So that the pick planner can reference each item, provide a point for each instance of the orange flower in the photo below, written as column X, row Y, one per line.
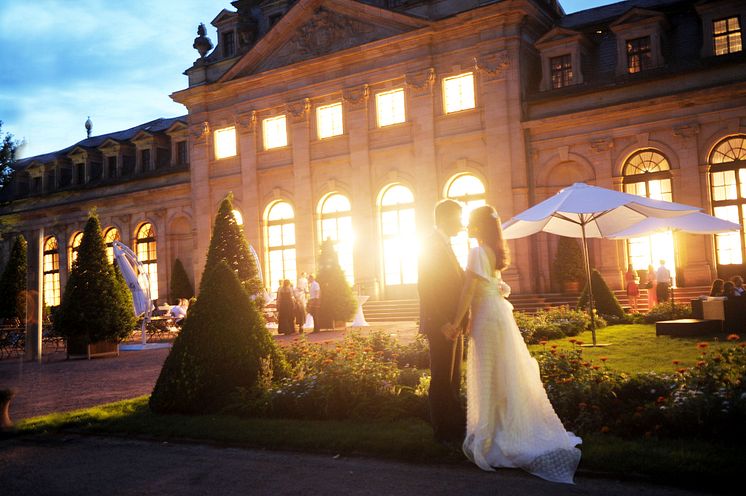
column 648, row 434
column 675, row 362
column 603, row 359
column 573, row 340
column 542, row 342
column 579, row 342
column 701, row 363
column 596, row 367
column 328, row 361
column 681, row 370
column 605, row 429
column 733, row 337
column 702, row 345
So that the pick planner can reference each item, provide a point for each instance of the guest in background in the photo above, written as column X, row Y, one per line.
column 729, row 290
column 738, row 283
column 300, row 309
column 717, row 288
column 651, row 284
column 314, row 301
column 663, row 276
column 303, row 284
column 179, row 311
column 285, row 308
column 633, row 290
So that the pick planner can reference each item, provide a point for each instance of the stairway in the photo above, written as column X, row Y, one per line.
column 409, row 310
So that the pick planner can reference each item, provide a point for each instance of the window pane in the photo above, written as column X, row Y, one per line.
column 275, row 132
column 390, row 107
column 724, row 185
column 225, row 142
column 329, row 120
column 459, row 92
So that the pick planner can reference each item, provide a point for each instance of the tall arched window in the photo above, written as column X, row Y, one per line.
column 335, row 223
column 51, row 272
column 148, row 256
column 111, row 235
column 648, row 173
column 280, row 242
column 74, row 247
column 470, row 191
column 398, row 236
column 728, row 183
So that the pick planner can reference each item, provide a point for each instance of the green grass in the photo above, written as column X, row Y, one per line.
column 635, row 348
column 687, row 463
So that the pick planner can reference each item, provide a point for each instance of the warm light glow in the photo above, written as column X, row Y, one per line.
column 74, row 247
column 239, row 218
column 470, row 191
column 398, row 236
column 728, row 189
column 225, row 142
column 390, row 107
column 458, row 92
column 280, row 243
column 335, row 223
column 329, row 120
column 51, row 265
column 727, row 35
column 728, row 244
column 275, row 132
column 147, row 255
column 111, row 235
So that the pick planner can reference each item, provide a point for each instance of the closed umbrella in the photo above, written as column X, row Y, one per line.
column 137, row 280
column 584, row 211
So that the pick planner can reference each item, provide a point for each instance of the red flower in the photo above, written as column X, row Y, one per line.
column 542, row 342
column 579, row 342
column 603, row 359
column 595, row 367
column 681, row 370
column 582, row 406
column 702, row 345
column 573, row 340
column 662, row 399
column 701, row 363
column 675, row 362
column 605, row 429
column 554, row 346
column 733, row 337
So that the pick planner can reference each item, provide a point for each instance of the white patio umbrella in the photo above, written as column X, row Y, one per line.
column 584, row 211
column 138, row 282
column 696, row 223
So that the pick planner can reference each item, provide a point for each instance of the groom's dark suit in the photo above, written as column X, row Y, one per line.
column 440, row 281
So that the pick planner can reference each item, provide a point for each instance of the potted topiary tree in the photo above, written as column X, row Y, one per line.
column 338, row 303
column 13, row 283
column 95, row 313
column 568, row 266
column 181, row 286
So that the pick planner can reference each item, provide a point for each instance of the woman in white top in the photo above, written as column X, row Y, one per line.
column 179, row 311
column 510, row 421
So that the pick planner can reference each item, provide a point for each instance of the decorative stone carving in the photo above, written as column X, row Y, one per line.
column 356, row 96
column 299, row 109
column 200, row 132
column 420, row 83
column 493, row 66
column 246, row 121
column 202, row 43
column 602, row 144
column 686, row 130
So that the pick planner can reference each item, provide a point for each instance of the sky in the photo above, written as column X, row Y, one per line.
column 62, row 61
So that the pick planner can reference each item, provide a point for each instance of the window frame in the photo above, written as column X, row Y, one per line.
column 265, row 125
column 444, row 85
column 386, row 93
column 218, row 143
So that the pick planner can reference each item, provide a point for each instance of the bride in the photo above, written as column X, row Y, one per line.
column 510, row 421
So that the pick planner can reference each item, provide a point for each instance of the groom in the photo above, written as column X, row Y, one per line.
column 439, row 284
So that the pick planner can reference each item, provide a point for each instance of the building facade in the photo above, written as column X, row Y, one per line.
column 350, row 119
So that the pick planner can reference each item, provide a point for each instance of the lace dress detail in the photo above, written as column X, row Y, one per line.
column 510, row 421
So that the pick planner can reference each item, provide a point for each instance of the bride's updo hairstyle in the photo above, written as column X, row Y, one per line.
column 484, row 223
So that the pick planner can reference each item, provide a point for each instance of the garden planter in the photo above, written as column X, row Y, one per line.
column 81, row 348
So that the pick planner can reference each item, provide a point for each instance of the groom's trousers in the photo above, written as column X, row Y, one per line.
column 446, row 411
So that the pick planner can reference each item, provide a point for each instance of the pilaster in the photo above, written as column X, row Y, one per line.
column 298, row 113
column 199, row 172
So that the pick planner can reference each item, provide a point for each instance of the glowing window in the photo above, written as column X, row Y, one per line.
column 329, row 120
column 398, row 236
column 335, row 223
column 390, row 107
column 275, row 132
column 111, row 235
column 459, row 92
column 74, row 247
column 225, row 142
column 51, row 271
column 470, row 192
column 280, row 243
column 728, row 190
column 727, row 35
column 146, row 253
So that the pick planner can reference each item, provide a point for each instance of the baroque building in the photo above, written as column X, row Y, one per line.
column 349, row 120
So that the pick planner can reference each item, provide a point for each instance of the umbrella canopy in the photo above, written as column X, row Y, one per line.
column 137, row 280
column 696, row 223
column 588, row 211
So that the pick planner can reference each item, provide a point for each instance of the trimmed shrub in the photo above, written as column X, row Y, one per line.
column 13, row 283
column 337, row 300
column 666, row 311
column 554, row 323
column 95, row 306
column 181, row 287
column 604, row 300
column 223, row 347
column 568, row 263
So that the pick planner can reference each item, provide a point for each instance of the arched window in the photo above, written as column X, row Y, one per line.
column 335, row 223
column 728, row 183
column 280, row 242
column 111, row 235
column 74, row 247
column 398, row 236
column 51, row 272
column 470, row 191
column 648, row 173
column 148, row 256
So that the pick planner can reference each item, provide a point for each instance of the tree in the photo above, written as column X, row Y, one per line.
column 229, row 245
column 224, row 348
column 568, row 263
column 181, row 287
column 604, row 300
column 13, row 283
column 8, row 147
column 95, row 305
column 337, row 300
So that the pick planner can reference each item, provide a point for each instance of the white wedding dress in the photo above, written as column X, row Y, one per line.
column 509, row 421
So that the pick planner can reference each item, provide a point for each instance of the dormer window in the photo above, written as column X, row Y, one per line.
column 639, row 57
column 228, row 41
column 561, row 53
column 639, row 34
column 145, row 159
column 561, row 68
column 727, row 35
column 111, row 165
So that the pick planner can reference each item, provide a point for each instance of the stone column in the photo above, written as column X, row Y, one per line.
column 366, row 249
column 298, row 113
column 34, row 294
column 201, row 205
column 252, row 216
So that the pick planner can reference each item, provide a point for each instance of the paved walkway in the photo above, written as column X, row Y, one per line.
column 68, row 464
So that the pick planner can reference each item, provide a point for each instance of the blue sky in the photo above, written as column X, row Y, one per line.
column 115, row 61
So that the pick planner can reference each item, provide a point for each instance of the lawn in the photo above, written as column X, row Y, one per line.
column 635, row 348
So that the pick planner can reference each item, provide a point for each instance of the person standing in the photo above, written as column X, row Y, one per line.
column 633, row 290
column 300, row 309
column 663, row 277
column 439, row 283
column 303, row 284
column 651, row 285
column 314, row 301
column 285, row 308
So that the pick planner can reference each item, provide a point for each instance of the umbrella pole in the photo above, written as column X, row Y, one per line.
column 587, row 261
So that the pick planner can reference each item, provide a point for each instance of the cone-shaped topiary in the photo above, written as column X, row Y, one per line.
column 181, row 287
column 568, row 263
column 13, row 283
column 337, row 300
column 223, row 346
column 229, row 244
column 95, row 305
column 604, row 300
